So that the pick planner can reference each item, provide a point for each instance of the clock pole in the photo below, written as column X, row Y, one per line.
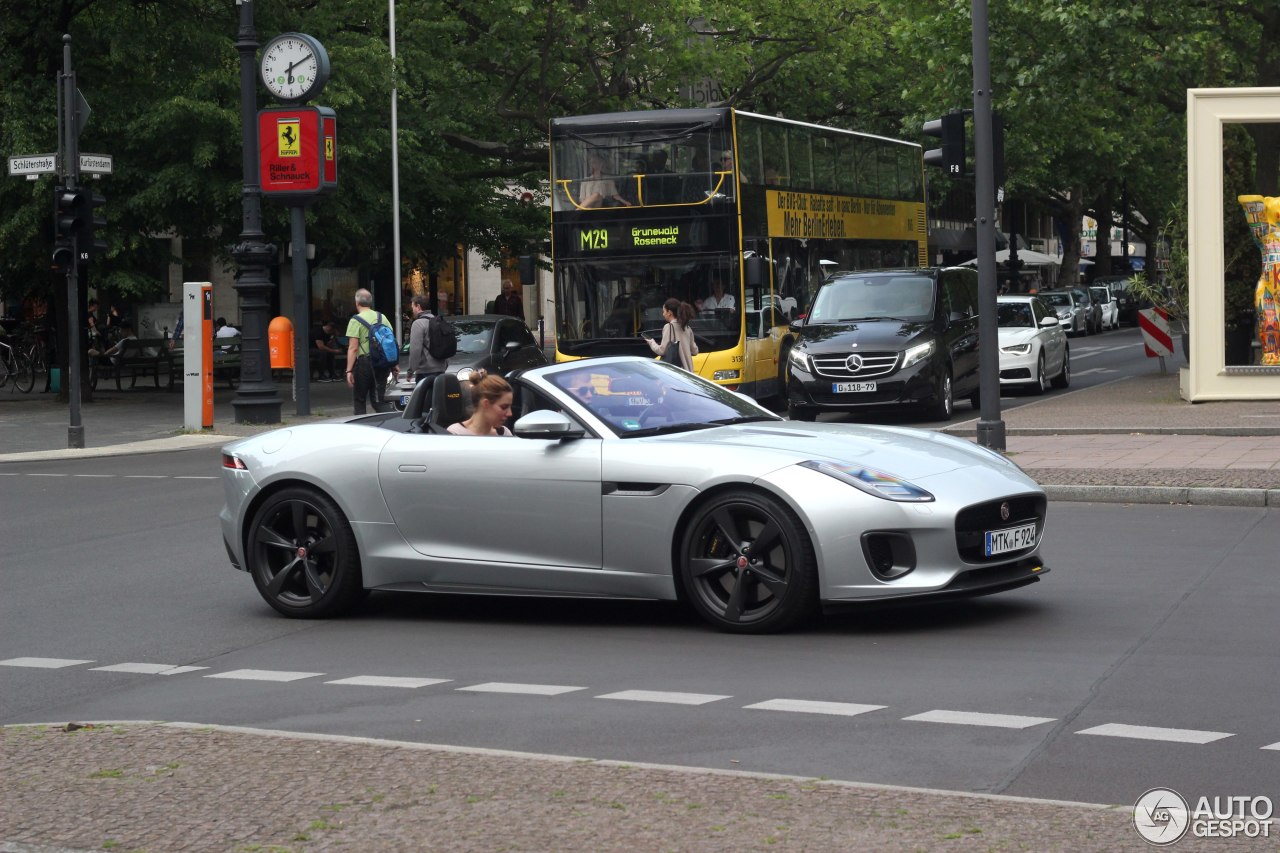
column 256, row 401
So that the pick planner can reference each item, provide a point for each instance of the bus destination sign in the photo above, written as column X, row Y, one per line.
column 620, row 237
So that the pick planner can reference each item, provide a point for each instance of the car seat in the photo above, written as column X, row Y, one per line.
column 447, row 406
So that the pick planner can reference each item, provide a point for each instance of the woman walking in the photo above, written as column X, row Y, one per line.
column 677, row 346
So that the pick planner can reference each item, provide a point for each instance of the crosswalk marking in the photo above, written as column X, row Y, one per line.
column 662, row 696
column 1272, row 745
column 148, row 668
column 969, row 718
column 1155, row 733
column 388, row 681
column 264, row 675
column 806, row 706
column 529, row 689
column 43, row 663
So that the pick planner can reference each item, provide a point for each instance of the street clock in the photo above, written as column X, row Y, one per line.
column 294, row 67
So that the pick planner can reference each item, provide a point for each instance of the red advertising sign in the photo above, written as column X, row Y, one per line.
column 290, row 151
column 329, row 133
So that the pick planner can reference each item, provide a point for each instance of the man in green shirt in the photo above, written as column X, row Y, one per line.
column 365, row 381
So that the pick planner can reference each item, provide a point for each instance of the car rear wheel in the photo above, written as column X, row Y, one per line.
column 747, row 564
column 302, row 555
column 1042, row 381
column 1063, row 379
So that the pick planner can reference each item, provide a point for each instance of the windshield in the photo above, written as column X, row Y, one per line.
column 643, row 397
column 1057, row 300
column 474, row 335
column 1014, row 315
column 908, row 298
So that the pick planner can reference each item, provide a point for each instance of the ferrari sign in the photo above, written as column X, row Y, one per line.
column 290, row 152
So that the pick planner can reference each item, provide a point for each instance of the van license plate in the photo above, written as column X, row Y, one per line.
column 848, row 387
column 1013, row 539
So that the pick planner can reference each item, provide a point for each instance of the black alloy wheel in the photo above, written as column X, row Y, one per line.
column 302, row 555
column 747, row 564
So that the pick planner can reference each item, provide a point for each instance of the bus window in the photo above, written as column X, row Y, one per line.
column 801, row 157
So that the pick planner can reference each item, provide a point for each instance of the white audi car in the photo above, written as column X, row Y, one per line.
column 1034, row 352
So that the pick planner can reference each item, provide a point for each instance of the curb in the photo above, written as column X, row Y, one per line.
column 971, row 432
column 1192, row 495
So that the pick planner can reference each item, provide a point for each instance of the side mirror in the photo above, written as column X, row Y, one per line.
column 545, row 423
column 1048, row 321
column 797, row 323
column 755, row 271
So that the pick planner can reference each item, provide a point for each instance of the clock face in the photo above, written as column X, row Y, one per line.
column 294, row 66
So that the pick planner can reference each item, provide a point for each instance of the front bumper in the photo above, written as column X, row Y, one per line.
column 914, row 385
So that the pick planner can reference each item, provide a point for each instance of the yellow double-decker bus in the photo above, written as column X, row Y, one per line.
column 740, row 215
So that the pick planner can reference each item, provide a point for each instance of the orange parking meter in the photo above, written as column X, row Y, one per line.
column 280, row 340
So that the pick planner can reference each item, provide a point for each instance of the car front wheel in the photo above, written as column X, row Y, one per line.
column 747, row 565
column 1042, row 381
column 944, row 400
column 303, row 556
column 1063, row 379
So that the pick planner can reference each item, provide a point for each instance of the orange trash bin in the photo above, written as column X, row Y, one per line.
column 280, row 342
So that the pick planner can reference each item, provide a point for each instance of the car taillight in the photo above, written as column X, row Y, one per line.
column 229, row 461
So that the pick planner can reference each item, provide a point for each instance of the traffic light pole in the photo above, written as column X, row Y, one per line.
column 71, row 176
column 990, row 427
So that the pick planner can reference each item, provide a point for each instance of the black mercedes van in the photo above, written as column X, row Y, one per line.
column 887, row 338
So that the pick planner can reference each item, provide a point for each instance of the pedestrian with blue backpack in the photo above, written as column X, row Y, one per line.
column 372, row 354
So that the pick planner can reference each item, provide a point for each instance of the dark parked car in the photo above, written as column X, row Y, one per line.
column 496, row 343
column 887, row 338
column 1128, row 303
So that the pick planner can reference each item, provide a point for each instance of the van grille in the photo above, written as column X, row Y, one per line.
column 872, row 365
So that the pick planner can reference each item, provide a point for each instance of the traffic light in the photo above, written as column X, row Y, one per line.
column 951, row 156
column 63, row 255
column 93, row 246
column 70, row 212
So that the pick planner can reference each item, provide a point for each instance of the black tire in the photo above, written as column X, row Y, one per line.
column 784, row 356
column 800, row 413
column 25, row 377
column 303, row 556
column 747, row 564
column 944, row 401
column 1042, row 381
column 1063, row 379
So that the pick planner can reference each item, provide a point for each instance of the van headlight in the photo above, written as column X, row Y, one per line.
column 917, row 353
column 800, row 359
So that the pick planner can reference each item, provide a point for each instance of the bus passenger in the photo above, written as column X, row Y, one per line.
column 718, row 300
column 491, row 400
column 597, row 189
column 678, row 345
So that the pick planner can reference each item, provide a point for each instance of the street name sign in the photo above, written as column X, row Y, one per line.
column 99, row 164
column 33, row 164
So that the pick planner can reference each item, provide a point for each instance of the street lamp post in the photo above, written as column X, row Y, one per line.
column 256, row 401
column 395, row 174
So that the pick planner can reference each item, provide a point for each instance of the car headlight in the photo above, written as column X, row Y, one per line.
column 1017, row 349
column 800, row 359
column 871, row 481
column 917, row 353
column 464, row 374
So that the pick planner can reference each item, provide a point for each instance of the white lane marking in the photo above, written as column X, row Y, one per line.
column 34, row 474
column 1275, row 745
column 146, row 476
column 194, row 477
column 1092, row 370
column 1155, row 733
column 527, row 689
column 806, row 706
column 99, row 476
column 388, row 681
column 663, row 696
column 969, row 718
column 148, row 668
column 264, row 675
column 43, row 663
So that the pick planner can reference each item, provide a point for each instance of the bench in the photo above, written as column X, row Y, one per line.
column 139, row 357
column 226, row 361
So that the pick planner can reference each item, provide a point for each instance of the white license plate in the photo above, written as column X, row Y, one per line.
column 848, row 387
column 1013, row 539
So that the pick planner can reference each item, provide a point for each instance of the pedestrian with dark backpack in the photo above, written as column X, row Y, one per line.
column 371, row 354
column 423, row 361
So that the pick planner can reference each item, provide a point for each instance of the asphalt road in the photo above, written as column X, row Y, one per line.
column 1146, row 658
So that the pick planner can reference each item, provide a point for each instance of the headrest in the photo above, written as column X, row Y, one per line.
column 447, row 403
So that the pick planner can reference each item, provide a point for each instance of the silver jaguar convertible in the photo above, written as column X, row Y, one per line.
column 626, row 478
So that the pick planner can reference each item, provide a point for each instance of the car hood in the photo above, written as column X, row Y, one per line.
column 1015, row 335
column 871, row 334
column 913, row 454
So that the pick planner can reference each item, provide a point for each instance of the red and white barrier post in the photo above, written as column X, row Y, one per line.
column 1156, row 337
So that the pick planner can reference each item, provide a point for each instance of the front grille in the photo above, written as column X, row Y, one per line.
column 973, row 521
column 873, row 364
column 1016, row 373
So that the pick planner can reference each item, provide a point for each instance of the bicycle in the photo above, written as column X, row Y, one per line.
column 17, row 366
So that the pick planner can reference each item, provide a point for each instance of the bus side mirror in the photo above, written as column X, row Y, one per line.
column 755, row 271
column 528, row 270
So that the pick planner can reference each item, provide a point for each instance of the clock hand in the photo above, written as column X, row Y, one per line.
column 289, row 71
